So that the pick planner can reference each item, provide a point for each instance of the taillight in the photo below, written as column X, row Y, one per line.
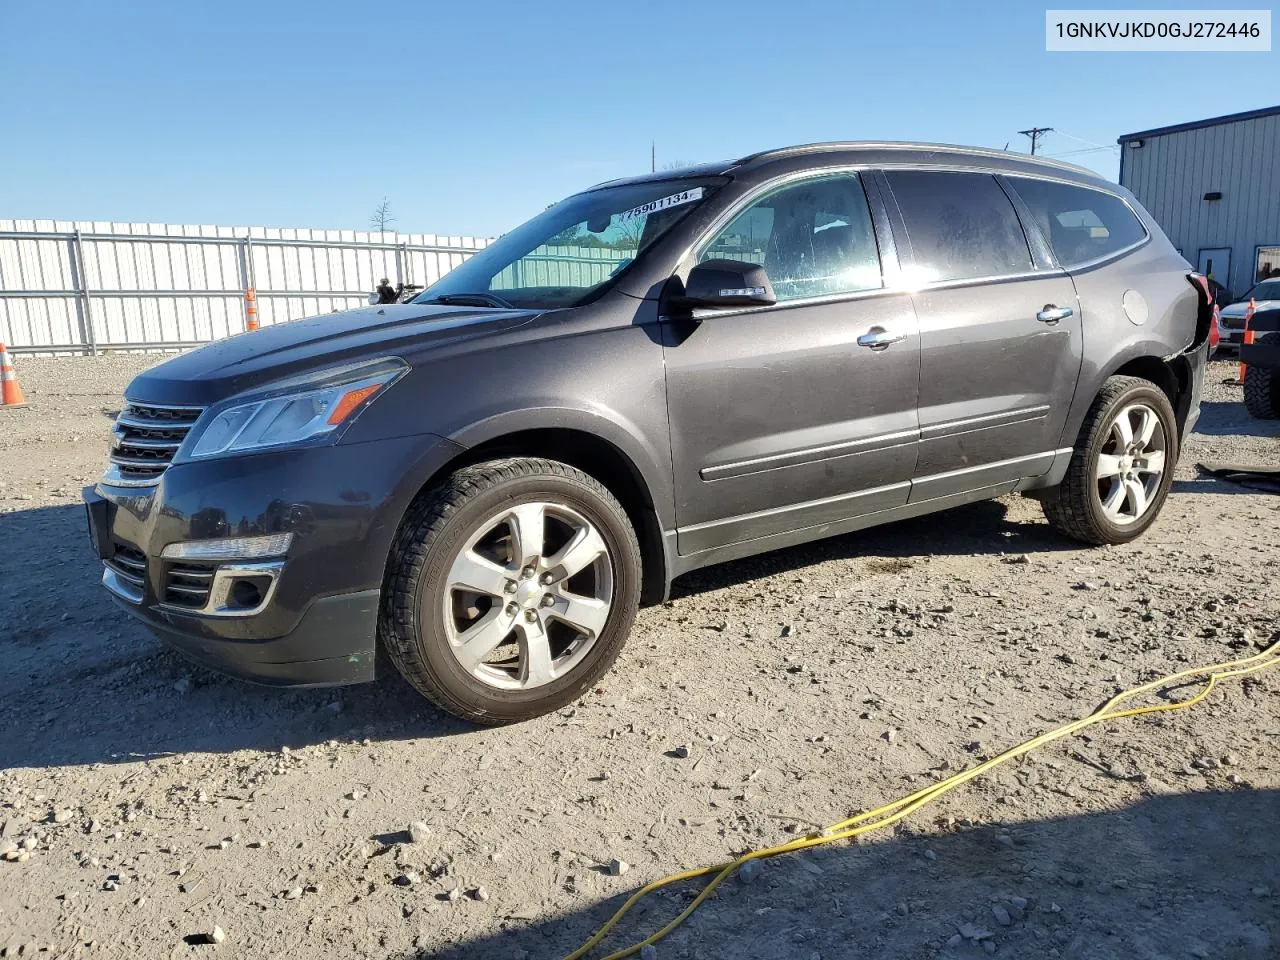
column 1207, row 312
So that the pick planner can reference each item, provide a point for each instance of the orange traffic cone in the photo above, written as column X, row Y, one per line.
column 10, row 393
column 251, row 309
column 1246, row 339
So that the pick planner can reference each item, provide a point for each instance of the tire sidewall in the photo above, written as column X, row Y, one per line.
column 1155, row 398
column 430, row 585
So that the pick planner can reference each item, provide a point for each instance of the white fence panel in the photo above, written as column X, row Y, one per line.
column 87, row 286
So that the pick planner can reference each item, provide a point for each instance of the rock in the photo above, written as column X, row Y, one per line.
column 1002, row 915
column 407, row 879
column 989, row 946
column 617, row 867
column 681, row 751
column 648, row 952
column 749, row 871
column 454, row 894
column 419, row 832
column 1262, row 892
column 293, row 893
column 973, row 932
column 480, row 893
column 62, row 816
column 216, row 935
column 183, row 685
column 355, row 795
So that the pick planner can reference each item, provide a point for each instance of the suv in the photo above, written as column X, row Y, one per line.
column 651, row 376
column 1264, row 295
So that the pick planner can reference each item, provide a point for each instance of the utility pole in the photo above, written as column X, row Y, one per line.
column 1035, row 133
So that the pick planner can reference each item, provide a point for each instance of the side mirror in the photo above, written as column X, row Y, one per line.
column 728, row 283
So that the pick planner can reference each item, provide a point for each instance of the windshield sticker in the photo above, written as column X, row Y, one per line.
column 666, row 203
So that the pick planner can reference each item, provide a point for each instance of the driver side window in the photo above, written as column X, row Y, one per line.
column 814, row 238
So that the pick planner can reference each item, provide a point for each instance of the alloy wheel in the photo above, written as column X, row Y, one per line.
column 1131, row 464
column 528, row 595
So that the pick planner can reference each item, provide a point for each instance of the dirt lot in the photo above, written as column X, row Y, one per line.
column 155, row 801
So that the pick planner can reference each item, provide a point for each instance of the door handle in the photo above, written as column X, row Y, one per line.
column 1051, row 314
column 878, row 338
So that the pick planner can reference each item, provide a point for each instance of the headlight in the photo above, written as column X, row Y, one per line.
column 296, row 411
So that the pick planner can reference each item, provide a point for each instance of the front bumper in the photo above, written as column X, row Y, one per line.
column 334, row 643
column 318, row 621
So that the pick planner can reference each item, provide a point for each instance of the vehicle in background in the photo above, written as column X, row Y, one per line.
column 654, row 375
column 1265, row 295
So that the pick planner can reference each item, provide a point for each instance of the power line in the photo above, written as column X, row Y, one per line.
column 1072, row 153
column 1035, row 133
column 1072, row 136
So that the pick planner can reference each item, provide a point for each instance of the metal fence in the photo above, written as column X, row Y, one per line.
column 79, row 287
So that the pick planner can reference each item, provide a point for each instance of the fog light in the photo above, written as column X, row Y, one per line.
column 233, row 548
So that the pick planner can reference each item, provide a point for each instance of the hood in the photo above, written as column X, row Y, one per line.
column 247, row 360
column 1240, row 308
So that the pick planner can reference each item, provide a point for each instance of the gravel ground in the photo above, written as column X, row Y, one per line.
column 152, row 804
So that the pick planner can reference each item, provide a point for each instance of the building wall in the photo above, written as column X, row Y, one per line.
column 1171, row 173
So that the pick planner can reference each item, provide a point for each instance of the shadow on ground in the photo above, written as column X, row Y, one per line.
column 1222, row 418
column 1189, row 875
column 84, row 683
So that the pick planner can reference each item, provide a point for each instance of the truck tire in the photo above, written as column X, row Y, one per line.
column 1122, row 465
column 510, row 590
column 1262, row 388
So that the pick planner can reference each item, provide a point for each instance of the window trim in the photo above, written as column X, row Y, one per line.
column 1254, row 266
column 757, row 193
column 1096, row 261
column 1037, row 269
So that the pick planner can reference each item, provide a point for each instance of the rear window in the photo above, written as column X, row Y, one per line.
column 1080, row 224
column 961, row 226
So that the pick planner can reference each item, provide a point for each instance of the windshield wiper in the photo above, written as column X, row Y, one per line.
column 469, row 300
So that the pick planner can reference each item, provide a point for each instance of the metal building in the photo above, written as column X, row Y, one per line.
column 1214, row 186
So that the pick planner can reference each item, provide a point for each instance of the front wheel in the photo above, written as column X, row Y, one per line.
column 511, row 589
column 1122, row 465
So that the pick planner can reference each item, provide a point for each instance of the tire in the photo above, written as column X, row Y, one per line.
column 429, row 610
column 1262, row 389
column 1076, row 506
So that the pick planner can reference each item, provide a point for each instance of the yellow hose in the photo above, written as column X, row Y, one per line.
column 893, row 812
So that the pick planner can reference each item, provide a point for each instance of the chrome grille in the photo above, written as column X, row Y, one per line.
column 144, row 441
column 187, row 584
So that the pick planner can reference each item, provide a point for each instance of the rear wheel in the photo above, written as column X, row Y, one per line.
column 511, row 589
column 1262, row 388
column 1122, row 465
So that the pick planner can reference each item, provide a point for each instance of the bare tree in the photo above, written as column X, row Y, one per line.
column 382, row 219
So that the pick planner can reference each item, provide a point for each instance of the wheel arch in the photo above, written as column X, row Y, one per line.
column 603, row 458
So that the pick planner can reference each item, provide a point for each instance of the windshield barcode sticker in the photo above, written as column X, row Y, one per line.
column 653, row 206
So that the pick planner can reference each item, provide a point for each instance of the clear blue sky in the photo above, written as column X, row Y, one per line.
column 471, row 116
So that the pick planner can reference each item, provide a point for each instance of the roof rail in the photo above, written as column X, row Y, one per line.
column 908, row 145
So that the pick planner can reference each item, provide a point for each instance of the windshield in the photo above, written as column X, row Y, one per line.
column 1266, row 290
column 569, row 252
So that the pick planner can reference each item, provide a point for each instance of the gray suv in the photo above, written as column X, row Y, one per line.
column 653, row 375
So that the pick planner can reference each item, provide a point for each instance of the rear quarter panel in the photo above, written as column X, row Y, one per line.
column 1154, row 277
